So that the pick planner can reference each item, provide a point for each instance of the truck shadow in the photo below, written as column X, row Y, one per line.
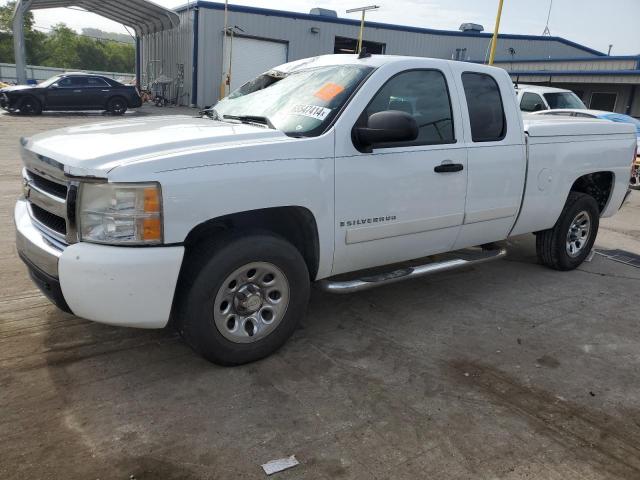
column 122, row 402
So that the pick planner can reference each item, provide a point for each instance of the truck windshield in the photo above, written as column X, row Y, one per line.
column 564, row 100
column 300, row 104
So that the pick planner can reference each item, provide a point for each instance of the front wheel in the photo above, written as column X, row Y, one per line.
column 30, row 106
column 567, row 244
column 241, row 296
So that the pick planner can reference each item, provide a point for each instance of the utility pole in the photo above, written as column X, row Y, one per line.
column 494, row 40
column 609, row 52
column 361, row 34
column 225, row 76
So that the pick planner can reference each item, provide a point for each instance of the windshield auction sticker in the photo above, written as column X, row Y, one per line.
column 329, row 91
column 312, row 111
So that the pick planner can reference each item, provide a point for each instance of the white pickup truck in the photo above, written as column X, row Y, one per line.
column 316, row 171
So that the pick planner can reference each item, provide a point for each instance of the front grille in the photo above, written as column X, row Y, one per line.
column 47, row 189
column 48, row 186
column 49, row 220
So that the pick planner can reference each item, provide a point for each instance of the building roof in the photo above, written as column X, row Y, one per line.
column 386, row 26
column 141, row 15
column 573, row 59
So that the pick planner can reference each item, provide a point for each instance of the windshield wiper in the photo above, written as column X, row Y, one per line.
column 251, row 119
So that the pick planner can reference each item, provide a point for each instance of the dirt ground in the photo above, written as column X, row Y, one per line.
column 505, row 371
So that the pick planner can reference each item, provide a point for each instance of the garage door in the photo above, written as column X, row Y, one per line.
column 252, row 57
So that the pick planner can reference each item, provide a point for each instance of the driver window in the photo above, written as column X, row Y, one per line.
column 531, row 102
column 424, row 95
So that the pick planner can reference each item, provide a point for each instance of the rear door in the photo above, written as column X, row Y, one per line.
column 396, row 203
column 97, row 92
column 494, row 137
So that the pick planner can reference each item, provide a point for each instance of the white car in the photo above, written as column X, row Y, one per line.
column 534, row 98
column 313, row 172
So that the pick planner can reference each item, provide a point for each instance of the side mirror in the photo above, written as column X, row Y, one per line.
column 54, row 85
column 538, row 107
column 385, row 127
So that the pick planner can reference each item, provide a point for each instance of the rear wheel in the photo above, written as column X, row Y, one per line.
column 567, row 244
column 241, row 297
column 635, row 177
column 30, row 106
column 117, row 106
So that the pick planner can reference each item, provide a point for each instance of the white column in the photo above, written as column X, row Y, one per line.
column 18, row 39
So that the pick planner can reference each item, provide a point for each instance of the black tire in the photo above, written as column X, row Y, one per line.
column 635, row 178
column 203, row 278
column 117, row 106
column 30, row 106
column 552, row 245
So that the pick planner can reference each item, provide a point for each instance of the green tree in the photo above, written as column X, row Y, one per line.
column 34, row 40
column 63, row 47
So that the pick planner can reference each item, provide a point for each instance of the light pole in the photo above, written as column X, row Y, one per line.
column 494, row 40
column 362, row 9
column 223, row 83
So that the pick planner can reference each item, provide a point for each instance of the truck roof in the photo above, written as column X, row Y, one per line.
column 352, row 59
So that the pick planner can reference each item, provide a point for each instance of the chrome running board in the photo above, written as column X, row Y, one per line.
column 394, row 276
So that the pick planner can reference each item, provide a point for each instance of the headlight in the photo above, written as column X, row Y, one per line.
column 121, row 213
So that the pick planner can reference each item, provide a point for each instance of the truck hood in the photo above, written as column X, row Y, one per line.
column 94, row 150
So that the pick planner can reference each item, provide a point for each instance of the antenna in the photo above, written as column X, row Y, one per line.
column 547, row 32
column 364, row 53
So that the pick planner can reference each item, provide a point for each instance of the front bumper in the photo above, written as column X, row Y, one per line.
column 124, row 286
column 5, row 102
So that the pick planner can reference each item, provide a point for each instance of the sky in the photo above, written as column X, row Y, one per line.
column 594, row 23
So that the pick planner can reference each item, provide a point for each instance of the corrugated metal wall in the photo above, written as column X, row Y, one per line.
column 38, row 73
column 303, row 43
column 162, row 52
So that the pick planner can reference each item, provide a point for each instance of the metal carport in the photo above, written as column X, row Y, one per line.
column 142, row 16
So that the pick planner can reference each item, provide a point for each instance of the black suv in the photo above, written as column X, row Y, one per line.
column 71, row 91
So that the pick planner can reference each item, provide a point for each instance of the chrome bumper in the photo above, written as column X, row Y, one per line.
column 39, row 249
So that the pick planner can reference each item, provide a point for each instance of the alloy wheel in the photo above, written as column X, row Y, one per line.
column 251, row 302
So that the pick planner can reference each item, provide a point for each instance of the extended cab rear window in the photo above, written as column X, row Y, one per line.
column 486, row 112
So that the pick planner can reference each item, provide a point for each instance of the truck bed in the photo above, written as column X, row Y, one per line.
column 561, row 149
column 554, row 126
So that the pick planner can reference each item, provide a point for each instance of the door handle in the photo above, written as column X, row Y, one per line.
column 77, row 91
column 104, row 90
column 447, row 167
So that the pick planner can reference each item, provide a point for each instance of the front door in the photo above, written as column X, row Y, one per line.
column 397, row 202
column 68, row 92
column 96, row 92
